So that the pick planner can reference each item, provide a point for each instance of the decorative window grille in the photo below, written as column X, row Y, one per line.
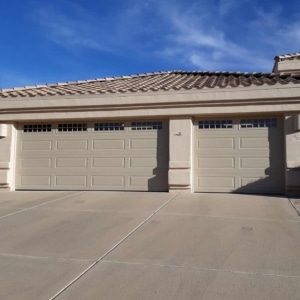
column 108, row 126
column 215, row 124
column 72, row 127
column 157, row 125
column 37, row 128
column 259, row 123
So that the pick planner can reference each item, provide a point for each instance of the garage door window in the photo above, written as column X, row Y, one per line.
column 147, row 125
column 108, row 126
column 37, row 128
column 72, row 127
column 215, row 124
column 259, row 123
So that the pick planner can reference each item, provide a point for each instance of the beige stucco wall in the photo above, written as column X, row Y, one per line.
column 180, row 146
column 292, row 140
column 288, row 66
column 7, row 140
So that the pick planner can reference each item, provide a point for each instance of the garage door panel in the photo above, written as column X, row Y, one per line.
column 70, row 163
column 108, row 181
column 216, row 182
column 248, row 180
column 73, row 181
column 32, row 145
column 108, row 162
column 213, row 143
column 216, row 162
column 141, row 162
column 152, row 183
column 29, row 163
column 254, row 163
column 111, row 144
column 243, row 159
column 72, row 145
column 254, row 143
column 35, row 180
column 141, row 144
column 99, row 156
column 254, row 185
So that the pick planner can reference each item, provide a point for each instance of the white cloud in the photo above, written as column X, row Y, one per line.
column 201, row 44
column 248, row 43
column 193, row 35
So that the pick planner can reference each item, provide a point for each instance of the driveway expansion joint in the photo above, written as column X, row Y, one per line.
column 295, row 204
column 39, row 205
column 44, row 257
column 113, row 248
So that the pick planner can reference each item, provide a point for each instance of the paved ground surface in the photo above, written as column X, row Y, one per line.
column 296, row 203
column 113, row 245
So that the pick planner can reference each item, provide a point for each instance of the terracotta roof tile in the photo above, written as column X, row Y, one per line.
column 164, row 81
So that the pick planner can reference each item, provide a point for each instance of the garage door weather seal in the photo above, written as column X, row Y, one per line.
column 111, row 249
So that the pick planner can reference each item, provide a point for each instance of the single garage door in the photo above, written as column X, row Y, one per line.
column 243, row 155
column 93, row 156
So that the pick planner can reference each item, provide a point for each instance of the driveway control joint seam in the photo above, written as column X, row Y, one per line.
column 113, row 248
column 39, row 205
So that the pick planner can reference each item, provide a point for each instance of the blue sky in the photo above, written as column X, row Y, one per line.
column 63, row 40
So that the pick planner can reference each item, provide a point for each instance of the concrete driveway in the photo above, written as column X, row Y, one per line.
column 114, row 245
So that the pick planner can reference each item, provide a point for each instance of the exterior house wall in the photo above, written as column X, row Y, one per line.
column 288, row 66
column 292, row 140
column 179, row 107
column 7, row 141
column 180, row 139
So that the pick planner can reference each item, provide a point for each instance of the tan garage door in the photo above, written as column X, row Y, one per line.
column 243, row 155
column 93, row 156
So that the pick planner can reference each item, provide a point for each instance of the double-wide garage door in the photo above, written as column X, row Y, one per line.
column 93, row 156
column 243, row 155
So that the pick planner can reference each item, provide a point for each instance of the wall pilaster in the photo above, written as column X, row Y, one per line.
column 7, row 145
column 180, row 164
column 292, row 141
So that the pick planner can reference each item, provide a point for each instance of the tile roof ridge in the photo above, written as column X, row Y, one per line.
column 282, row 57
column 204, row 72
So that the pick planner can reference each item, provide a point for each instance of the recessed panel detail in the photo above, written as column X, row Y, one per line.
column 142, row 162
column 108, row 162
column 72, row 145
column 140, row 181
column 106, row 182
column 109, row 144
column 35, row 163
column 216, row 162
column 32, row 180
column 36, row 145
column 216, row 182
column 213, row 143
column 71, row 180
column 138, row 144
column 71, row 162
column 255, row 162
column 254, row 143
